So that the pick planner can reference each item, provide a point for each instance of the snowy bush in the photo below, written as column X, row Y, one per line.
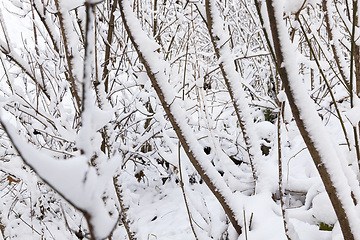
column 179, row 119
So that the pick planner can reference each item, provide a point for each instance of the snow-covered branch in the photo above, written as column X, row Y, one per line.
column 146, row 49
column 318, row 141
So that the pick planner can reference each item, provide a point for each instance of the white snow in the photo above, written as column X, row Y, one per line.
column 319, row 136
column 156, row 204
column 74, row 179
column 71, row 4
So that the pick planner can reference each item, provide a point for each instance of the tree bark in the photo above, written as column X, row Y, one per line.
column 299, row 118
column 178, row 128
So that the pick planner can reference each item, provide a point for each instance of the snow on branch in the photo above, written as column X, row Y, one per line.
column 234, row 81
column 74, row 179
column 146, row 49
column 317, row 139
column 81, row 183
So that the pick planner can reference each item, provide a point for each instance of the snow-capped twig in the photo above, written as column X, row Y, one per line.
column 233, row 82
column 315, row 136
column 146, row 49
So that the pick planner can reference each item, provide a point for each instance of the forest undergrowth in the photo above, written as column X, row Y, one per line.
column 164, row 119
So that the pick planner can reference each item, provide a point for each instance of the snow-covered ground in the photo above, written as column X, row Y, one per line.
column 123, row 141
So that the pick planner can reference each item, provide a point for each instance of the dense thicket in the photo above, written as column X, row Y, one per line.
column 179, row 119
